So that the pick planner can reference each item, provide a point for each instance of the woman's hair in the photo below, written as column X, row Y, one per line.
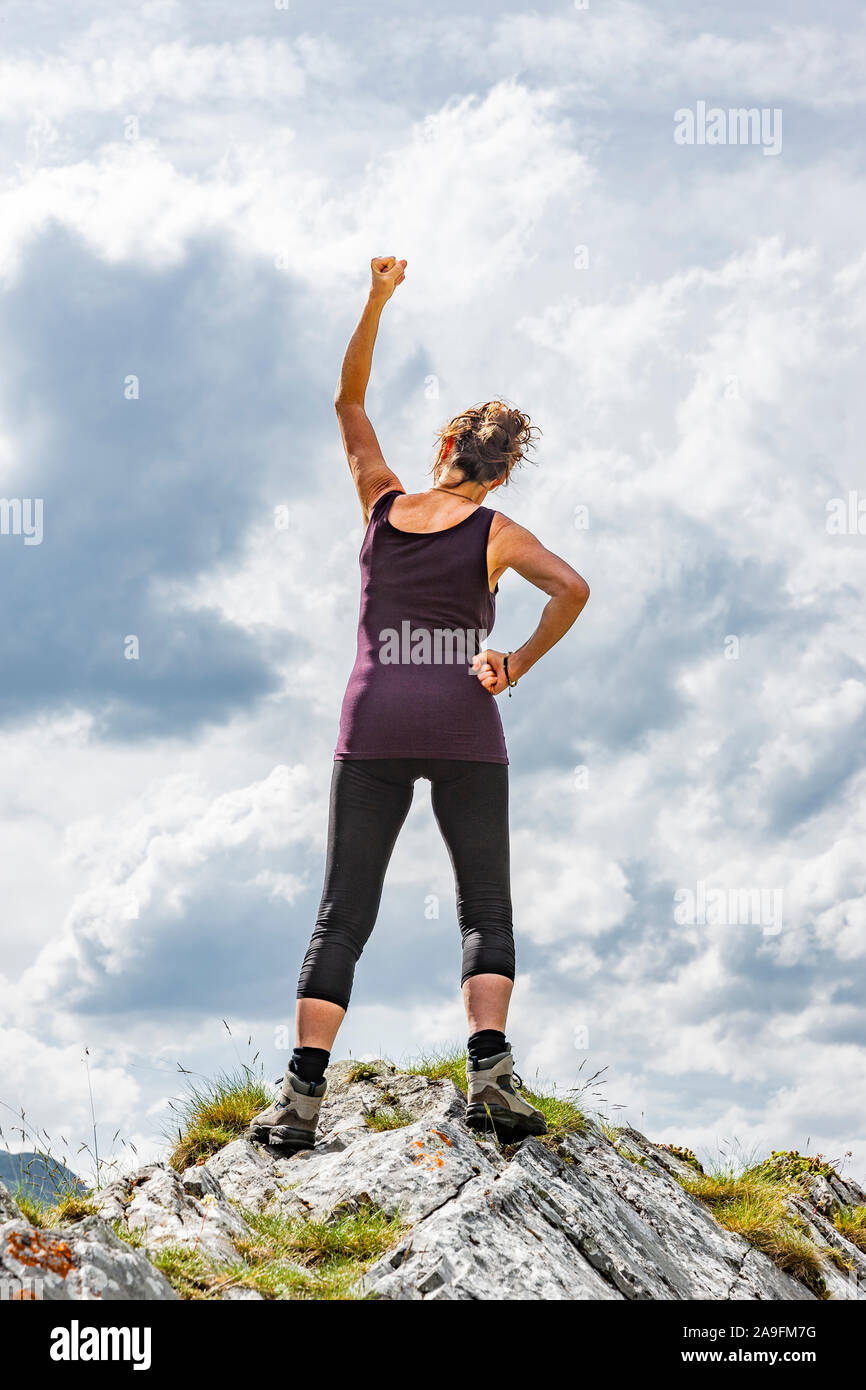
column 487, row 441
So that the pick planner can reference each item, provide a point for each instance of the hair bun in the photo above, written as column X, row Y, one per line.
column 489, row 440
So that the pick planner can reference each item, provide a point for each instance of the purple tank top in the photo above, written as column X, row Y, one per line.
column 426, row 609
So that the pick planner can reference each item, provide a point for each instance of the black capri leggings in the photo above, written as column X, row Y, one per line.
column 370, row 799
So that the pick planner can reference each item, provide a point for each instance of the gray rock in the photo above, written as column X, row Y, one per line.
column 585, row 1219
column 681, row 1246
column 347, row 1103
column 247, row 1174
column 407, row 1172
column 846, row 1284
column 86, row 1261
column 830, row 1195
column 8, row 1207
column 597, row 1226
column 657, row 1158
column 497, row 1240
column 167, row 1209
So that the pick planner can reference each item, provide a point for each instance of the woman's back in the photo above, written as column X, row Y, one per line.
column 426, row 610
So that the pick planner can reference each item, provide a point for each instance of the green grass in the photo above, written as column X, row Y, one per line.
column 684, row 1155
column 563, row 1116
column 620, row 1142
column 212, row 1115
column 50, row 1216
column 130, row 1235
column 190, row 1274
column 789, row 1164
column 33, row 1209
column 756, row 1207
column 449, row 1063
column 850, row 1222
column 445, row 1064
column 389, row 1117
column 291, row 1258
column 362, row 1071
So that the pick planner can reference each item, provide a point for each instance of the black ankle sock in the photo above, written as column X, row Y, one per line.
column 309, row 1064
column 487, row 1043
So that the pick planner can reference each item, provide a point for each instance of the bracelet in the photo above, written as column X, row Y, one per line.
column 511, row 683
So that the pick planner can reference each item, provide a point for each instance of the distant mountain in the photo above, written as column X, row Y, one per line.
column 37, row 1176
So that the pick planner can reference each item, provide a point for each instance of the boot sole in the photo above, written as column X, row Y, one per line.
column 281, row 1137
column 507, row 1126
column 290, row 1140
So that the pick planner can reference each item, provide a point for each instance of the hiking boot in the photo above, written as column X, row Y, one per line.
column 290, row 1123
column 494, row 1102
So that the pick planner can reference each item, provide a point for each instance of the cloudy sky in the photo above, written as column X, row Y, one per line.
column 190, row 199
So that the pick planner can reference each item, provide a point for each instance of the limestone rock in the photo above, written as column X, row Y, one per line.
column 580, row 1219
column 586, row 1223
column 82, row 1262
column 8, row 1207
column 165, row 1208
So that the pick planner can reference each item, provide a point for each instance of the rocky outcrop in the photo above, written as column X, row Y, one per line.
column 162, row 1207
column 584, row 1222
column 581, row 1219
column 82, row 1262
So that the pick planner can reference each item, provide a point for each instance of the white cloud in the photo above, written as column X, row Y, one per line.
column 699, row 391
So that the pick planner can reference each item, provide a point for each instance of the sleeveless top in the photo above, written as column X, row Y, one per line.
column 426, row 609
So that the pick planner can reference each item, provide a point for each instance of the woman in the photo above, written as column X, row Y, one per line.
column 420, row 703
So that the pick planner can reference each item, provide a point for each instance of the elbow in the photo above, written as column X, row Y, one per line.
column 578, row 593
column 344, row 402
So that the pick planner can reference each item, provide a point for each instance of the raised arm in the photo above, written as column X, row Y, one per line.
column 513, row 547
column 370, row 471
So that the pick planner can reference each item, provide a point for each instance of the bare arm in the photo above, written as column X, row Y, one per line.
column 371, row 473
column 513, row 547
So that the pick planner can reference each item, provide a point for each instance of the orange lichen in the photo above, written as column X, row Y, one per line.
column 39, row 1252
column 430, row 1160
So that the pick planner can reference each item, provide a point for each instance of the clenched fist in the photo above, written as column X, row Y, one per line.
column 489, row 667
column 387, row 273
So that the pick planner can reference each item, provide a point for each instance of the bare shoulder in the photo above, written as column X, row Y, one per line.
column 505, row 532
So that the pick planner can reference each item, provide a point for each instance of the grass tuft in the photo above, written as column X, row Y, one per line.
column 212, row 1115
column 72, row 1207
column 684, row 1155
column 786, row 1165
column 362, row 1071
column 130, row 1235
column 298, row 1258
column 33, row 1209
column 756, row 1207
column 563, row 1116
column 287, row 1257
column 850, row 1222
column 445, row 1064
column 389, row 1117
column 190, row 1273
column 51, row 1216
